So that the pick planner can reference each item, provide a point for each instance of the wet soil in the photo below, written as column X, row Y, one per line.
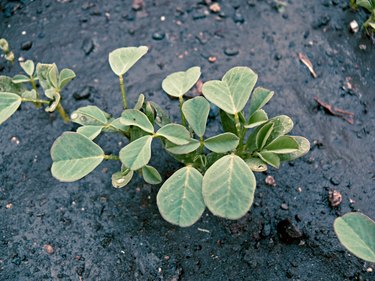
column 88, row 230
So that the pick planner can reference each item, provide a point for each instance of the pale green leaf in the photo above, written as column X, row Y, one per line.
column 9, row 104
column 122, row 59
column 132, row 117
column 20, row 78
column 282, row 125
column 6, row 85
column 74, row 156
column 42, row 71
column 256, row 164
column 28, row 66
column 180, row 200
column 228, row 187
column 137, row 153
column 263, row 135
column 222, row 143
column 182, row 149
column 356, row 233
column 233, row 91
column 175, row 133
column 53, row 76
column 270, row 158
column 259, row 98
column 89, row 115
column 151, row 175
column 140, row 101
column 282, row 145
column 161, row 117
column 179, row 83
column 259, row 117
column 115, row 125
column 369, row 5
column 66, row 75
column 196, row 113
column 121, row 179
column 303, row 148
column 32, row 94
column 4, row 45
column 55, row 96
column 90, row 131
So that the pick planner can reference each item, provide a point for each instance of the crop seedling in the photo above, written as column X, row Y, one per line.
column 356, row 233
column 368, row 5
column 8, row 54
column 13, row 91
column 217, row 171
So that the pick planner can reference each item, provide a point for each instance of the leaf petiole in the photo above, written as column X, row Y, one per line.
column 123, row 93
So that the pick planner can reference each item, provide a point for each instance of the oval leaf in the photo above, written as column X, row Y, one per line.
column 196, row 113
column 9, row 104
column 222, row 143
column 132, row 117
column 20, row 78
column 228, row 187
column 282, row 125
column 175, row 133
column 263, row 135
column 258, row 118
column 122, row 59
column 28, row 66
column 282, row 145
column 74, row 156
column 140, row 101
column 182, row 149
column 179, row 83
column 89, row 115
column 180, row 200
column 270, row 158
column 6, row 85
column 151, row 175
column 256, row 164
column 259, row 98
column 90, row 131
column 303, row 148
column 137, row 153
column 233, row 91
column 121, row 179
column 66, row 75
column 356, row 233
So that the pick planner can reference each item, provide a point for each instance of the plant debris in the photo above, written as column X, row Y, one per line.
column 335, row 198
column 346, row 115
column 306, row 61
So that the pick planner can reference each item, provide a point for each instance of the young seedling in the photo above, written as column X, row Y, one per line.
column 356, row 233
column 217, row 171
column 13, row 91
column 8, row 54
column 368, row 5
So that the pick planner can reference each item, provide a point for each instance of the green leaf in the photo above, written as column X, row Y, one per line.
column 179, row 83
column 4, row 45
column 89, row 115
column 30, row 94
column 9, row 104
column 282, row 145
column 116, row 126
column 356, row 233
column 149, row 111
column 263, row 135
column 90, row 131
column 53, row 75
column 55, row 97
column 228, row 187
column 42, row 71
column 175, row 133
column 122, row 59
column 66, row 75
column 161, row 118
column 74, row 156
column 259, row 98
column 121, row 179
column 6, row 85
column 270, row 158
column 367, row 4
column 222, row 143
column 137, row 153
column 182, row 149
column 227, row 121
column 132, row 117
column 233, row 91
column 259, row 117
column 139, row 104
column 20, row 78
column 303, row 148
column 28, row 66
column 180, row 200
column 151, row 175
column 282, row 125
column 256, row 164
column 196, row 113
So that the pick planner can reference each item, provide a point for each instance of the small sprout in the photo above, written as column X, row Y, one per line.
column 8, row 54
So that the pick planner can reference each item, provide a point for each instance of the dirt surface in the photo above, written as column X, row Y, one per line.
column 88, row 230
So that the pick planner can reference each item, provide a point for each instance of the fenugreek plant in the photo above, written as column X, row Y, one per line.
column 8, row 54
column 14, row 91
column 368, row 5
column 217, row 171
column 356, row 233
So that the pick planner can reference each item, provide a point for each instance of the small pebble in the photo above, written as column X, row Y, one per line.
column 26, row 45
column 353, row 26
column 362, row 47
column 230, row 51
column 270, row 180
column 87, row 46
column 49, row 249
column 84, row 94
column 15, row 140
column 335, row 198
column 9, row 206
column 158, row 36
column 215, row 8
column 212, row 59
column 238, row 18
column 137, row 5
column 284, row 206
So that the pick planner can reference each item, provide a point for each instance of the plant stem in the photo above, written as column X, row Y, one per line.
column 201, row 147
column 35, row 100
column 111, row 157
column 62, row 113
column 183, row 120
column 32, row 81
column 239, row 131
column 123, row 93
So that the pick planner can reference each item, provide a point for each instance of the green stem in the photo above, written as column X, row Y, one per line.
column 62, row 113
column 35, row 100
column 32, row 81
column 111, row 157
column 201, row 147
column 123, row 93
column 239, row 131
column 183, row 120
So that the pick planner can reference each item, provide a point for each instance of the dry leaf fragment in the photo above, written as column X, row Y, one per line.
column 306, row 61
column 346, row 115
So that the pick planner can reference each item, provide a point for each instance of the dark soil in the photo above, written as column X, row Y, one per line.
column 88, row 230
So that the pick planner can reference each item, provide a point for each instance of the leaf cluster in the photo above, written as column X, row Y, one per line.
column 368, row 5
